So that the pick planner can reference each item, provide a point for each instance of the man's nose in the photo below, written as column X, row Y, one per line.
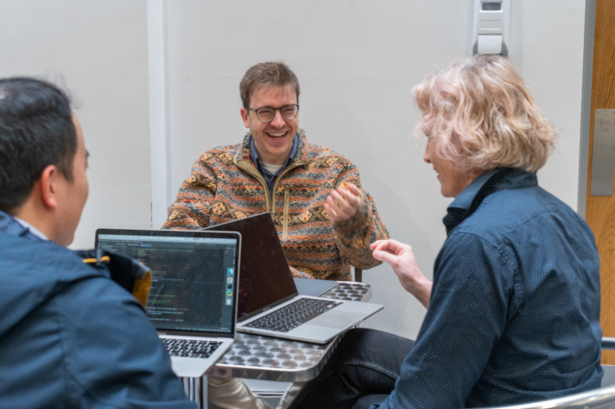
column 278, row 120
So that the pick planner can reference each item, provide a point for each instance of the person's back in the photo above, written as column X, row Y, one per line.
column 548, row 290
column 64, row 330
column 69, row 335
column 513, row 310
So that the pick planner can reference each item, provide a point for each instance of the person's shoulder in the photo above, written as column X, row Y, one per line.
column 222, row 154
column 511, row 214
column 105, row 333
column 107, row 337
column 518, row 206
column 41, row 262
column 468, row 236
column 318, row 151
column 321, row 155
column 32, row 273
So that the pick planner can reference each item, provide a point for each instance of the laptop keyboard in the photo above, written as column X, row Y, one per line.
column 294, row 314
column 190, row 348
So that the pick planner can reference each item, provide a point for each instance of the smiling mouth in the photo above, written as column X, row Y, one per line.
column 277, row 135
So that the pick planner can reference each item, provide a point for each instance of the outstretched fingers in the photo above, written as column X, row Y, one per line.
column 385, row 256
column 391, row 246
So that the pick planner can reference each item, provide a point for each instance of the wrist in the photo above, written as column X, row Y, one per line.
column 421, row 290
column 356, row 222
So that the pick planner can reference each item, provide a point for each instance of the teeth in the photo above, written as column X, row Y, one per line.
column 277, row 135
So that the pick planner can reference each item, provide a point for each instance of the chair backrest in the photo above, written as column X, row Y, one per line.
column 608, row 343
column 603, row 398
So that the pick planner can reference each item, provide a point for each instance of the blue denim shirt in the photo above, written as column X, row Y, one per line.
column 515, row 305
column 269, row 177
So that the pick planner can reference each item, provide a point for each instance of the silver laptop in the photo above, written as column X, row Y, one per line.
column 193, row 299
column 269, row 303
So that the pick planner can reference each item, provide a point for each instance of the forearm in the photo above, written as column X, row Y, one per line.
column 298, row 273
column 187, row 216
column 355, row 235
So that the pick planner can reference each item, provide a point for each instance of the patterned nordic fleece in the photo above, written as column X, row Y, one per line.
column 225, row 185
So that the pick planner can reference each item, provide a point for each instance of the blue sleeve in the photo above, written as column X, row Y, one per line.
column 114, row 356
column 473, row 286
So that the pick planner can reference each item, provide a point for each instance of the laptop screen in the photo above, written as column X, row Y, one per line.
column 265, row 279
column 193, row 276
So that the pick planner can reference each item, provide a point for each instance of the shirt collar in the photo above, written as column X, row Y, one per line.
column 14, row 227
column 293, row 152
column 489, row 182
column 32, row 229
column 465, row 198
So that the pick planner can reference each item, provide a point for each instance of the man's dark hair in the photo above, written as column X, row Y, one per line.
column 36, row 130
column 266, row 74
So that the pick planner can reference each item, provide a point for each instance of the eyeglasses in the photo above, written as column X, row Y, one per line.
column 266, row 114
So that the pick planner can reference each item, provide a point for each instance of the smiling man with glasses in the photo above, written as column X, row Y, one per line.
column 325, row 220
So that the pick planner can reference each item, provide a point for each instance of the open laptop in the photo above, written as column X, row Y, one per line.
column 269, row 303
column 193, row 299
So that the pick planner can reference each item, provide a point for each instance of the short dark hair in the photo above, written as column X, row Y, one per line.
column 266, row 74
column 36, row 130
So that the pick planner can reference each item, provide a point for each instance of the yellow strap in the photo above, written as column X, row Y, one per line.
column 142, row 287
column 93, row 260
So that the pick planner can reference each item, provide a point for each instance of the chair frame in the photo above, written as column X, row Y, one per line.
column 358, row 275
column 603, row 398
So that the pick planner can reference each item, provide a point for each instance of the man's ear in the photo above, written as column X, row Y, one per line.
column 48, row 184
column 244, row 116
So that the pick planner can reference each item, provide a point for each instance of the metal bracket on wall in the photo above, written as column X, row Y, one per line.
column 603, row 156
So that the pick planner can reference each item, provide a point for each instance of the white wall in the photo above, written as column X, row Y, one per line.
column 99, row 50
column 357, row 61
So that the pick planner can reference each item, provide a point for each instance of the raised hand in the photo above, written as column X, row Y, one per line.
column 401, row 257
column 342, row 203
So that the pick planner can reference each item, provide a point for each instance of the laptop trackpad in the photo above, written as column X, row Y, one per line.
column 337, row 319
column 190, row 367
column 323, row 328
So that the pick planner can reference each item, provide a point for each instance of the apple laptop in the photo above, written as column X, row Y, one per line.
column 193, row 298
column 269, row 303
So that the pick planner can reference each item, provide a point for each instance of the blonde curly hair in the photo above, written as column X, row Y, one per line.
column 483, row 116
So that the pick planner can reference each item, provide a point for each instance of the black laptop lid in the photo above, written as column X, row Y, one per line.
column 193, row 277
column 265, row 279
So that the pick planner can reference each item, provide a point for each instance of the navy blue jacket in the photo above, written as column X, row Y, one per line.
column 71, row 337
column 515, row 305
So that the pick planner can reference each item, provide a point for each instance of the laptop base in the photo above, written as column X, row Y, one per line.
column 196, row 367
column 323, row 328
